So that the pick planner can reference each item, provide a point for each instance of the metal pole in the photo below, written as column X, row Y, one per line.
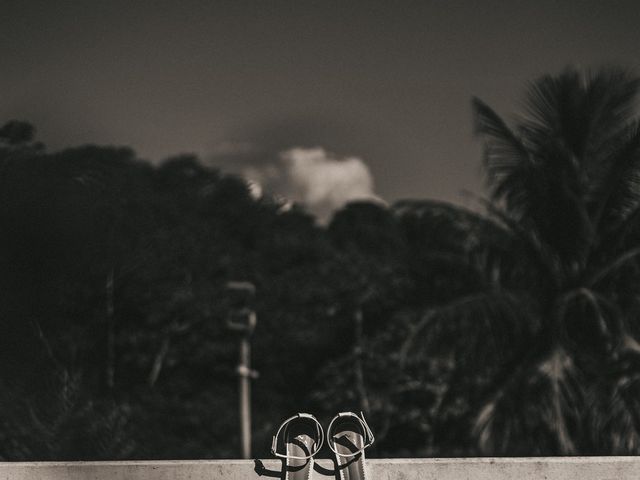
column 242, row 319
column 244, row 379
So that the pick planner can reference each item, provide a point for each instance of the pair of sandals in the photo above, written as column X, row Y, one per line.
column 301, row 438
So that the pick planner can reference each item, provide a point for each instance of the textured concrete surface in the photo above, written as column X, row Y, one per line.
column 555, row 468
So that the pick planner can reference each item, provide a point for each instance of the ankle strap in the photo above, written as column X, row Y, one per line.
column 318, row 443
column 368, row 434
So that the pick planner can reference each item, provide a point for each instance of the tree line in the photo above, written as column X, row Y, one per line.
column 510, row 329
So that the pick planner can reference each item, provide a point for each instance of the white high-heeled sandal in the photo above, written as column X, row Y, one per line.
column 348, row 435
column 302, row 438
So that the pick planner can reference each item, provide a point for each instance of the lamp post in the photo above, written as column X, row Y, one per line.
column 242, row 319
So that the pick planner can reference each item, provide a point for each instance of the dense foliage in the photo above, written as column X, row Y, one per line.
column 510, row 331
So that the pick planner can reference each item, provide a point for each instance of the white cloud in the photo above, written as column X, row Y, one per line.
column 320, row 181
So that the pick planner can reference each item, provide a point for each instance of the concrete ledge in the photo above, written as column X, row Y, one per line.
column 542, row 468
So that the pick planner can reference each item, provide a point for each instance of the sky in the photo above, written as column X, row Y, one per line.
column 382, row 89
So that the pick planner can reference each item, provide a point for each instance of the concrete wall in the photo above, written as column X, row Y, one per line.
column 556, row 468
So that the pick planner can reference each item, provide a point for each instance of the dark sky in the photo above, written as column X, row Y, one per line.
column 387, row 82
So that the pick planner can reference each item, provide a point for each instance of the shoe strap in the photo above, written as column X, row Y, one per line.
column 318, row 443
column 368, row 434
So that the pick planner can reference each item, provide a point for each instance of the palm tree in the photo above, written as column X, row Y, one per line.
column 543, row 331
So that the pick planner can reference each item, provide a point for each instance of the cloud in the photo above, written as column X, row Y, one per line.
column 316, row 179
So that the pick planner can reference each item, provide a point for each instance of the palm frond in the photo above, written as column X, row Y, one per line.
column 616, row 238
column 542, row 101
column 614, row 410
column 483, row 244
column 588, row 324
column 573, row 128
column 581, row 111
column 613, row 265
column 617, row 195
column 553, row 116
column 531, row 245
column 535, row 410
column 611, row 98
column 538, row 177
column 496, row 323
column 509, row 165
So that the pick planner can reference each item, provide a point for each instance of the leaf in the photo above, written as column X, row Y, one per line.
column 494, row 324
column 507, row 161
column 534, row 411
column 618, row 193
column 614, row 410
